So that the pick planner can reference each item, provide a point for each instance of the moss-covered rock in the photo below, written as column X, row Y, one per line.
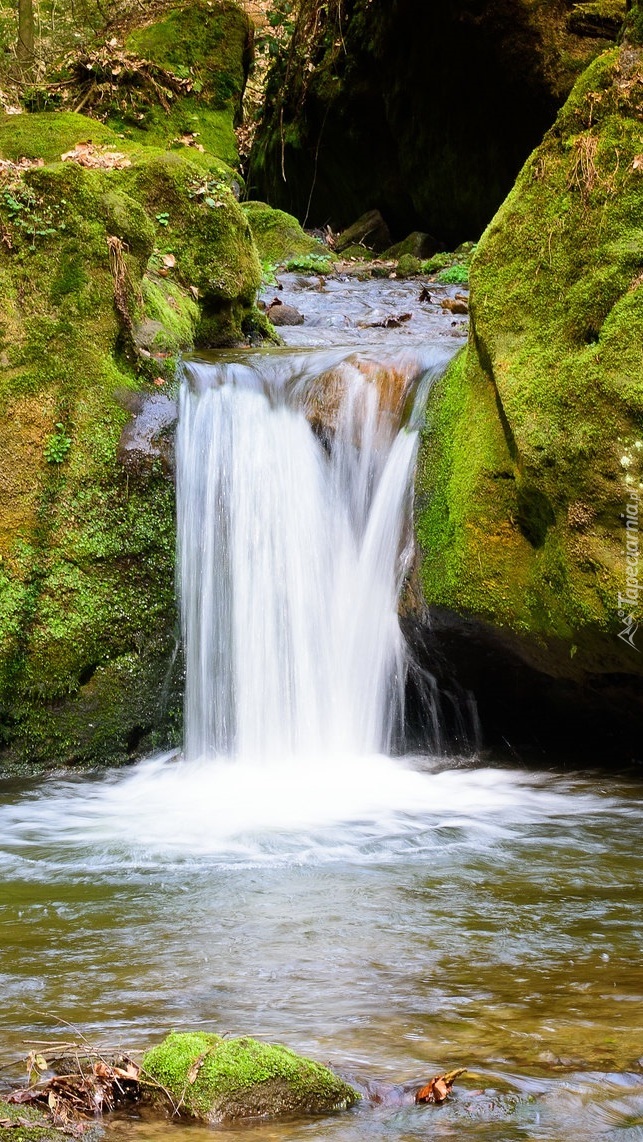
column 278, row 235
column 177, row 81
column 209, row 45
column 216, row 1079
column 531, row 468
column 31, row 1125
column 91, row 260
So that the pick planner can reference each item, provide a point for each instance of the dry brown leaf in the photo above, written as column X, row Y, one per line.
column 169, row 261
column 196, row 1067
column 96, row 158
column 438, row 1088
column 637, row 165
column 159, row 381
column 22, row 165
column 194, row 291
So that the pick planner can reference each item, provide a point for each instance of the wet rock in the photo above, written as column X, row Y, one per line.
column 455, row 304
column 418, row 245
column 280, row 314
column 146, row 437
column 218, row 1080
column 370, row 230
column 146, row 333
column 393, row 383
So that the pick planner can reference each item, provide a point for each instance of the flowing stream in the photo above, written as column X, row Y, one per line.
column 292, row 874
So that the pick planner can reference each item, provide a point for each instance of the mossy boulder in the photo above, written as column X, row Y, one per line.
column 90, row 257
column 209, row 45
column 531, row 467
column 279, row 236
column 177, row 81
column 216, row 1079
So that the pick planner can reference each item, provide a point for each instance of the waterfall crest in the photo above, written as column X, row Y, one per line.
column 294, row 475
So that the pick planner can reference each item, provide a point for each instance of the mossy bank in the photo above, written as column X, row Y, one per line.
column 529, row 481
column 107, row 271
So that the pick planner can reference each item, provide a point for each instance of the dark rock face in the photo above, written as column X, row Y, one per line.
column 493, row 696
column 423, row 111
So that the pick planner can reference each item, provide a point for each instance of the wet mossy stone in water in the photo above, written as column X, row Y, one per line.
column 216, row 1079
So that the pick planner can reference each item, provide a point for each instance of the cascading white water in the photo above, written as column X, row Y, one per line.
column 291, row 554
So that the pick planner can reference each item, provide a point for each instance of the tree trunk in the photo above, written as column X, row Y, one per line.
column 25, row 31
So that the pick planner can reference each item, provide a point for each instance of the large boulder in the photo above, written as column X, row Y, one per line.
column 423, row 111
column 218, row 1080
column 530, row 475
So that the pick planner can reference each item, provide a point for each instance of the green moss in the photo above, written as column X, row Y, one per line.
column 278, row 235
column 41, row 1130
column 209, row 46
column 408, row 266
column 359, row 253
column 534, row 446
column 88, row 666
column 48, row 135
column 213, row 1078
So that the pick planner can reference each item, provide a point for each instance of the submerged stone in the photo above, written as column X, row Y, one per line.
column 216, row 1079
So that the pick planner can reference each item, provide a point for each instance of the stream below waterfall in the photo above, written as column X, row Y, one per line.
column 285, row 877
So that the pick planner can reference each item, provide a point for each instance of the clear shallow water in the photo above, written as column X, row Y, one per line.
column 395, row 918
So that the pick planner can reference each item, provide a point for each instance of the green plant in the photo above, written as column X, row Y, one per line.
column 163, row 219
column 268, row 273
column 310, row 263
column 57, row 445
column 454, row 275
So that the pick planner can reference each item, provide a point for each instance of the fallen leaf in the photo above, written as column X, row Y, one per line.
column 196, row 1067
column 439, row 1088
column 637, row 165
column 159, row 381
column 96, row 158
column 195, row 293
column 169, row 261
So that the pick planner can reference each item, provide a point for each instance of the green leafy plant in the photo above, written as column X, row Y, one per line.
column 57, row 445
column 454, row 275
column 268, row 273
column 310, row 263
column 163, row 219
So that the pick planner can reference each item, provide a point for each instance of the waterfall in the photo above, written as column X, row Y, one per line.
column 294, row 477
